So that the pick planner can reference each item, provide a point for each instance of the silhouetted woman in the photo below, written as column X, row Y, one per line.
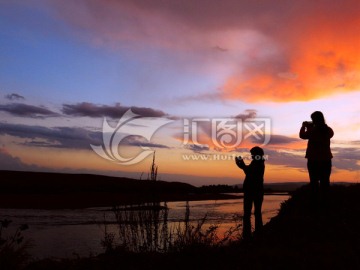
column 253, row 188
column 318, row 152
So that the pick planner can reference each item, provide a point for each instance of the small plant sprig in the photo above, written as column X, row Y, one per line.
column 13, row 249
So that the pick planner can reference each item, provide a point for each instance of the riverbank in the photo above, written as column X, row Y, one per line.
column 39, row 190
column 299, row 237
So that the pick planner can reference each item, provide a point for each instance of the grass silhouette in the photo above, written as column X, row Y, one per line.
column 145, row 227
column 13, row 247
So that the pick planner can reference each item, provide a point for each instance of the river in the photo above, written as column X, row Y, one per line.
column 68, row 233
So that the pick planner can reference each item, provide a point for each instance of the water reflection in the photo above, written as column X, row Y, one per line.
column 73, row 232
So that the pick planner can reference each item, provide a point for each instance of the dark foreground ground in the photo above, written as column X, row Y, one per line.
column 299, row 237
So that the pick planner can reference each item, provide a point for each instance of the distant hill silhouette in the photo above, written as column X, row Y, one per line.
column 43, row 182
column 60, row 190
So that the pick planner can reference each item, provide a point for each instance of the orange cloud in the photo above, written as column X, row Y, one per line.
column 273, row 50
column 320, row 54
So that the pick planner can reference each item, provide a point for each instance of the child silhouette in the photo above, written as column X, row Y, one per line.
column 253, row 188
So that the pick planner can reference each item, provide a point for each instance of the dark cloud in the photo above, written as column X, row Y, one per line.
column 25, row 110
column 197, row 148
column 247, row 114
column 220, row 49
column 140, row 141
column 291, row 159
column 346, row 158
column 284, row 157
column 207, row 128
column 14, row 96
column 116, row 111
column 281, row 139
column 59, row 137
column 9, row 162
column 65, row 137
column 213, row 96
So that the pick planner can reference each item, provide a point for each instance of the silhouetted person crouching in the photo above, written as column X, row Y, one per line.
column 318, row 152
column 253, row 188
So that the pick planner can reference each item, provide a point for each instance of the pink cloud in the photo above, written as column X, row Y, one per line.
column 265, row 50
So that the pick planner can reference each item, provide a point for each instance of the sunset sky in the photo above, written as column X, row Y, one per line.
column 65, row 65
